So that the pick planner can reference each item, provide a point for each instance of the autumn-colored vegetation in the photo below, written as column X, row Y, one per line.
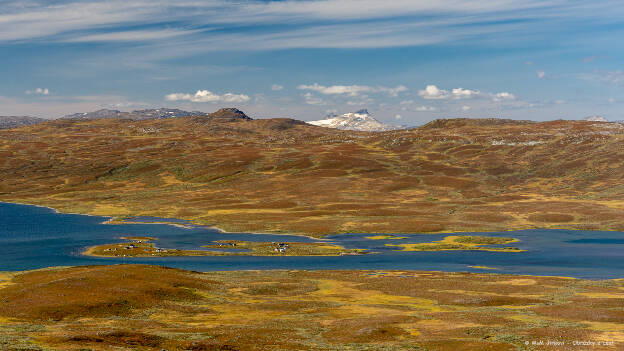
column 136, row 307
column 281, row 175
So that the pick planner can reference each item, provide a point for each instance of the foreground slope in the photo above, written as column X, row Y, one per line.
column 282, row 175
column 154, row 308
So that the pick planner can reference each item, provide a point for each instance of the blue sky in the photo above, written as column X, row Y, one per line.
column 407, row 61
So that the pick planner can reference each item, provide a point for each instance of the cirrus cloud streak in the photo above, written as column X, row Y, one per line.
column 208, row 96
column 352, row 90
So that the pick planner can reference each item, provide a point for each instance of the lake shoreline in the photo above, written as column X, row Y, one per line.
column 112, row 221
column 52, row 239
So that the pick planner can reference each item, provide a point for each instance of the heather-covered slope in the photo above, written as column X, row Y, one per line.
column 281, row 175
column 153, row 308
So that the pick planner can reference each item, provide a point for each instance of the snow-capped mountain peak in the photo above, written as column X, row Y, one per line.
column 596, row 119
column 360, row 120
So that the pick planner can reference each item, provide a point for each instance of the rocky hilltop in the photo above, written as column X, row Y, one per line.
column 228, row 115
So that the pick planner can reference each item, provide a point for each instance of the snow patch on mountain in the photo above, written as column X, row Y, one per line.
column 596, row 119
column 360, row 120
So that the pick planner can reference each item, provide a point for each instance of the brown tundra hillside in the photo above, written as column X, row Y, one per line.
column 282, row 175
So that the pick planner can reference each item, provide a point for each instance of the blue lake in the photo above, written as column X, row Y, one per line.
column 35, row 237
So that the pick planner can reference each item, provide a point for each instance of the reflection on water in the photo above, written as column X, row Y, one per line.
column 35, row 237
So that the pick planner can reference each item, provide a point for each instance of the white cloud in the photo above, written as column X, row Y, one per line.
column 128, row 104
column 352, row 90
column 308, row 24
column 424, row 108
column 394, row 92
column 541, row 74
column 38, row 91
column 432, row 92
column 611, row 100
column 260, row 98
column 407, row 105
column 466, row 108
column 609, row 77
column 38, row 18
column 461, row 93
column 362, row 102
column 313, row 100
column 503, row 96
column 277, row 87
column 133, row 35
column 207, row 96
column 398, row 117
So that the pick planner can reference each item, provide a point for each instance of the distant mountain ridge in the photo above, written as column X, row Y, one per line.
column 229, row 113
column 360, row 121
column 158, row 113
column 8, row 122
column 224, row 114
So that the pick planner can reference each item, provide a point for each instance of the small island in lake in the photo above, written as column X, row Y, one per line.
column 143, row 247
column 455, row 242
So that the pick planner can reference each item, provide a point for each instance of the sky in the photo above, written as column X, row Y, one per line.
column 407, row 61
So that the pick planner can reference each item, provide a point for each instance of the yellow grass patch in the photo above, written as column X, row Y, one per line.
column 110, row 210
column 598, row 295
column 386, row 237
column 240, row 314
column 487, row 293
column 5, row 279
column 517, row 282
column 516, row 307
column 483, row 267
column 170, row 179
column 610, row 331
column 359, row 310
column 347, row 292
column 435, row 324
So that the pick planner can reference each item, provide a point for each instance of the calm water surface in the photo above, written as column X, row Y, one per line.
column 35, row 237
